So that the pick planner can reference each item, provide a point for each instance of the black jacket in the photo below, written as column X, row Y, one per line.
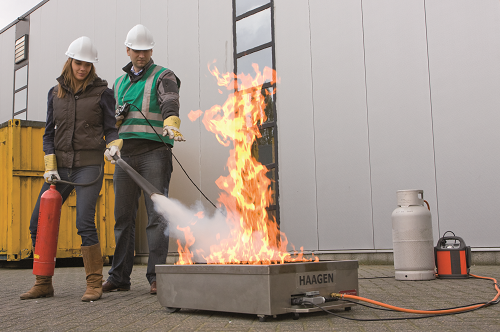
column 78, row 123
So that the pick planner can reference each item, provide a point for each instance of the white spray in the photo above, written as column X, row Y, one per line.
column 207, row 230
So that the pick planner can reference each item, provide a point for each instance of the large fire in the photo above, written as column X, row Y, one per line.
column 254, row 237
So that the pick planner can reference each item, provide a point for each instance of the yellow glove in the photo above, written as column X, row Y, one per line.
column 50, row 168
column 113, row 148
column 171, row 128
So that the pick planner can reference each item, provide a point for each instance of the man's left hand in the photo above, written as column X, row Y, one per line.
column 171, row 128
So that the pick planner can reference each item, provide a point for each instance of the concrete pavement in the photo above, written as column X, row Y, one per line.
column 137, row 310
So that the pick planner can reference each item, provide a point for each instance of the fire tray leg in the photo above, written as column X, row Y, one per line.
column 263, row 318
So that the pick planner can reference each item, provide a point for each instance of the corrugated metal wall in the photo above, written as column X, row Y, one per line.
column 374, row 96
column 388, row 95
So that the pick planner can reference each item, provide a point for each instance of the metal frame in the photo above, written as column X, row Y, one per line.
column 271, row 124
column 22, row 26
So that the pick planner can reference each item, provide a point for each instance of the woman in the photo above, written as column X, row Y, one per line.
column 80, row 113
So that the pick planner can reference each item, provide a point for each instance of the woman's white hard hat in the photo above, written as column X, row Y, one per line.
column 139, row 38
column 82, row 49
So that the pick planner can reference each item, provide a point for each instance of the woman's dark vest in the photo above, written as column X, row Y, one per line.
column 79, row 132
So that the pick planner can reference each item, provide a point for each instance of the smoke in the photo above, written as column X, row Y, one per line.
column 206, row 230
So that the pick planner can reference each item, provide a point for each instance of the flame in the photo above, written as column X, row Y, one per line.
column 185, row 256
column 255, row 237
column 193, row 115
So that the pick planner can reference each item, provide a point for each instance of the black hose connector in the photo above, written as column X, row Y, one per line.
column 331, row 299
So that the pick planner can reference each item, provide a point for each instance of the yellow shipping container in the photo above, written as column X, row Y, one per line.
column 21, row 171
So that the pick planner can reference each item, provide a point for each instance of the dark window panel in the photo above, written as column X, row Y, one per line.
column 262, row 58
column 253, row 31
column 271, row 175
column 264, row 149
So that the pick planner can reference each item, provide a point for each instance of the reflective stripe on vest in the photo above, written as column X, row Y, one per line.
column 117, row 87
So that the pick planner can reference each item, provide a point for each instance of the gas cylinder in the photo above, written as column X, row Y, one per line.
column 412, row 237
column 49, row 215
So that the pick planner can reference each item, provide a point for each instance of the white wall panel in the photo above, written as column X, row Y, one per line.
column 298, row 210
column 464, row 53
column 399, row 115
column 7, row 40
column 183, row 59
column 153, row 15
column 45, row 58
column 206, row 36
column 105, row 40
column 127, row 17
column 37, row 98
column 215, row 44
column 78, row 19
column 340, row 126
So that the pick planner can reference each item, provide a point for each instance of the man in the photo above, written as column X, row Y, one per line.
column 153, row 91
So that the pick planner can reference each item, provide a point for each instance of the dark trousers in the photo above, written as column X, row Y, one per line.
column 156, row 167
column 86, row 198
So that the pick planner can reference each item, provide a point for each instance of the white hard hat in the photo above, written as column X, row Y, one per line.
column 82, row 49
column 139, row 38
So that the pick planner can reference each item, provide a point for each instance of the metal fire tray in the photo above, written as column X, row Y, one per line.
column 264, row 290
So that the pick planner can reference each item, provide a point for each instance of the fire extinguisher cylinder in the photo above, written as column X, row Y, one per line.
column 47, row 232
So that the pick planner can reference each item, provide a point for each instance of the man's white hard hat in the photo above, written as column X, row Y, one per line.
column 82, row 49
column 139, row 38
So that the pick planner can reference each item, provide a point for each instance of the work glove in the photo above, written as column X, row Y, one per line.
column 50, row 168
column 112, row 149
column 171, row 128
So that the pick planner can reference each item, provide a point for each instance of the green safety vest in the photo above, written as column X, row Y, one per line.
column 141, row 94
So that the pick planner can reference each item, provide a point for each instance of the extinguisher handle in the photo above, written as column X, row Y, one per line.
column 442, row 241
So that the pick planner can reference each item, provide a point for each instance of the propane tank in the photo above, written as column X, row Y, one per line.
column 412, row 237
column 48, row 230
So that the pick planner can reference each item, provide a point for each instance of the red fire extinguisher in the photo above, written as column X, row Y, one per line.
column 48, row 230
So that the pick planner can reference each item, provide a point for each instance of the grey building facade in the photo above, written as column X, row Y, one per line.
column 373, row 96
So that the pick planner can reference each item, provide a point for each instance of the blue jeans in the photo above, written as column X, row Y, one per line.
column 86, row 198
column 156, row 167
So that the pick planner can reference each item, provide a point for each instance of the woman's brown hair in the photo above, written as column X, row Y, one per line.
column 70, row 81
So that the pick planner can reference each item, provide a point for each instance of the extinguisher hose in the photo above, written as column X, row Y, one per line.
column 433, row 312
column 177, row 160
column 55, row 181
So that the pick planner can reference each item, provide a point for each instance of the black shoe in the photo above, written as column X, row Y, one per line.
column 107, row 286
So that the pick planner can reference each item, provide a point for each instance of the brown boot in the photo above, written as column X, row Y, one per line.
column 43, row 288
column 92, row 260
